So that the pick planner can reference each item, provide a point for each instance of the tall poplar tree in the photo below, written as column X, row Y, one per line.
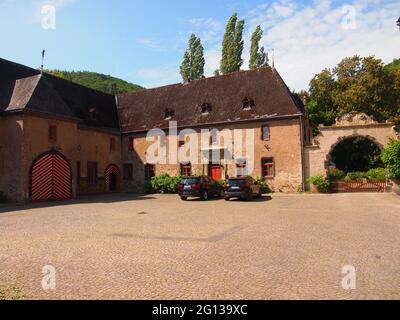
column 193, row 60
column 258, row 56
column 232, row 46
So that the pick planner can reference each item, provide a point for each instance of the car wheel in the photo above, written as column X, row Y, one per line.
column 227, row 198
column 205, row 196
column 184, row 198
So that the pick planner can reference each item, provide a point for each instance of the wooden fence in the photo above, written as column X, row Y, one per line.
column 358, row 186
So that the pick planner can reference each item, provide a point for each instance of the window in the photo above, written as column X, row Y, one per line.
column 268, row 167
column 52, row 134
column 186, row 169
column 213, row 137
column 131, row 143
column 169, row 113
column 248, row 104
column 78, row 172
column 128, row 171
column 149, row 171
column 206, row 108
column 112, row 144
column 92, row 172
column 241, row 167
column 265, row 133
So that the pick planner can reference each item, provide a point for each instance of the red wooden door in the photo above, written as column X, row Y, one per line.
column 51, row 178
column 216, row 172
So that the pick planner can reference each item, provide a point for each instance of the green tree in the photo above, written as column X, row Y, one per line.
column 97, row 81
column 355, row 84
column 232, row 46
column 193, row 60
column 258, row 56
column 391, row 159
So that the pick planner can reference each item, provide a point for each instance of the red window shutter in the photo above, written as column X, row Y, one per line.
column 268, row 168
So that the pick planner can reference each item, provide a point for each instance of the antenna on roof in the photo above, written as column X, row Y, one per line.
column 42, row 66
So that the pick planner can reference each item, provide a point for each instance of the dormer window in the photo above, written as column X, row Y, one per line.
column 206, row 108
column 169, row 113
column 248, row 104
column 92, row 112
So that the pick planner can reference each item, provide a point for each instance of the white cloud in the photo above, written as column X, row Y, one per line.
column 157, row 76
column 311, row 37
column 209, row 30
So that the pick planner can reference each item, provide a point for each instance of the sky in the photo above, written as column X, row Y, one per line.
column 144, row 41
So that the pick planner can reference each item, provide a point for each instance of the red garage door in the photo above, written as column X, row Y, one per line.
column 51, row 178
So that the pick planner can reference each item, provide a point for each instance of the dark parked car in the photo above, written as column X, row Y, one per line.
column 245, row 188
column 203, row 187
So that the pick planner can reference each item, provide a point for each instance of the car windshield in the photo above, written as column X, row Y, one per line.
column 237, row 182
column 190, row 181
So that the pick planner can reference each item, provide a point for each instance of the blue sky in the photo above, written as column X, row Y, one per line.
column 144, row 41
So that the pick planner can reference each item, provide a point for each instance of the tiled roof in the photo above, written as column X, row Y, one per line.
column 45, row 93
column 144, row 110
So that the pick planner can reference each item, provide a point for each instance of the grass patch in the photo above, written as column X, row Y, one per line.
column 10, row 293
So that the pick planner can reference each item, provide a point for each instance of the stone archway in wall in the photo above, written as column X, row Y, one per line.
column 317, row 155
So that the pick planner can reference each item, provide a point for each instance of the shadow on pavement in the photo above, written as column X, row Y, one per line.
column 104, row 198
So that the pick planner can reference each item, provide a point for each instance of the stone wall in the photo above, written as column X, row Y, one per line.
column 317, row 155
column 284, row 146
column 24, row 138
column 11, row 139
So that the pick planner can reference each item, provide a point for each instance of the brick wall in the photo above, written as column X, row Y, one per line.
column 284, row 146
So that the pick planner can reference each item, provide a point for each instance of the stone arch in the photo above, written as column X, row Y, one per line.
column 112, row 178
column 352, row 136
column 50, row 177
column 317, row 154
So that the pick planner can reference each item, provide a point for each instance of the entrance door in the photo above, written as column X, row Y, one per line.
column 51, row 178
column 111, row 178
column 113, row 182
column 215, row 172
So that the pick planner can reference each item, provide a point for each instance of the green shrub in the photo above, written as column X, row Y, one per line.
column 352, row 176
column 264, row 185
column 164, row 183
column 378, row 174
column 336, row 174
column 320, row 183
column 391, row 159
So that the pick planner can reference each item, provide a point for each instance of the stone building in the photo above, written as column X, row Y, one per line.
column 59, row 140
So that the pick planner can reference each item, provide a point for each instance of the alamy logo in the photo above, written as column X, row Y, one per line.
column 200, row 147
column 49, row 280
column 349, row 20
column 49, row 21
column 349, row 280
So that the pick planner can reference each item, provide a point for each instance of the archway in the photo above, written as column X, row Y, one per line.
column 112, row 178
column 355, row 153
column 318, row 154
column 50, row 177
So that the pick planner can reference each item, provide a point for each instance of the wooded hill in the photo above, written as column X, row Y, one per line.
column 97, row 81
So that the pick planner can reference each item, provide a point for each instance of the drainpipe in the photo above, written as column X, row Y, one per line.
column 303, row 182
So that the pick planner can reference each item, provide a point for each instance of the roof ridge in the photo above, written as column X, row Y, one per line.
column 198, row 80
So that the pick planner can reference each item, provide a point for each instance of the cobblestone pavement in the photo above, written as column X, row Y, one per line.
column 158, row 247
